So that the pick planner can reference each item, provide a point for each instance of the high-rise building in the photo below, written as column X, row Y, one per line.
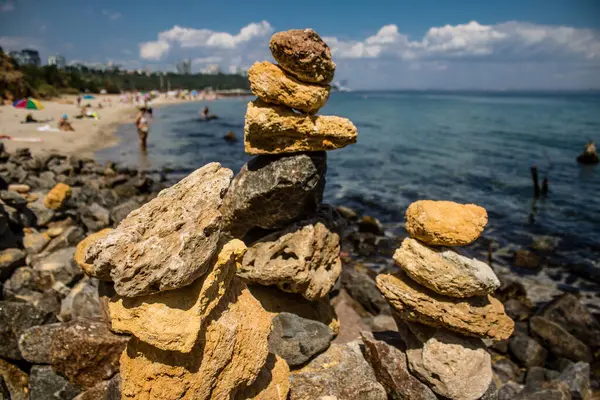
column 57, row 60
column 26, row 57
column 184, row 67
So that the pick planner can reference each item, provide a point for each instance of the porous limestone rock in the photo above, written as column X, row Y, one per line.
column 482, row 316
column 453, row 366
column 57, row 196
column 168, row 242
column 228, row 357
column 444, row 271
column 274, row 129
column 303, row 258
column 385, row 351
column 304, row 54
column 16, row 381
column 298, row 339
column 273, row 85
column 271, row 191
column 81, row 251
column 275, row 301
column 272, row 383
column 340, row 373
column 84, row 352
column 445, row 223
column 173, row 319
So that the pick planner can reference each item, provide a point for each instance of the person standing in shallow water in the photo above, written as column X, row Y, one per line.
column 141, row 123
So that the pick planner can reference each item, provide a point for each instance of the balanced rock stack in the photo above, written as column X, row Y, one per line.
column 442, row 300
column 204, row 324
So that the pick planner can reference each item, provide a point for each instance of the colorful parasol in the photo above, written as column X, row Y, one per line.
column 88, row 97
column 30, row 104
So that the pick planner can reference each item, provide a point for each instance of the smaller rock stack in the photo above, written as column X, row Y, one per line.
column 442, row 300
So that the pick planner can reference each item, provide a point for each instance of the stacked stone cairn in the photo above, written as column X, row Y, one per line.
column 213, row 276
column 442, row 302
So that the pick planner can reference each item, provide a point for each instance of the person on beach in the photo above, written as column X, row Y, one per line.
column 64, row 124
column 204, row 113
column 141, row 124
column 78, row 101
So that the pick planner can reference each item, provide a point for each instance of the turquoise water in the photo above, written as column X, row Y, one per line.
column 470, row 148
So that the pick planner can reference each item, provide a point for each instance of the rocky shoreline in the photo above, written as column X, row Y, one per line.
column 248, row 287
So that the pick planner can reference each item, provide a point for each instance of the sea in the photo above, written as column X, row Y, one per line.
column 468, row 147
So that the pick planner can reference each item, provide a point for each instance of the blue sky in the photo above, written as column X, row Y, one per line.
column 418, row 44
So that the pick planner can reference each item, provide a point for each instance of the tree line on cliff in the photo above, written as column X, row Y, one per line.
column 48, row 81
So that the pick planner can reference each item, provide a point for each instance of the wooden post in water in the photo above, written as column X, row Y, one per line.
column 545, row 186
column 536, row 184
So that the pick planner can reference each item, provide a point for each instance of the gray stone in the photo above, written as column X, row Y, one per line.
column 15, row 318
column 43, row 215
column 517, row 310
column 506, row 370
column 271, row 191
column 573, row 316
column 491, row 393
column 361, row 287
column 45, row 384
column 82, row 301
column 537, row 375
column 303, row 258
column 510, row 390
column 21, row 282
column 453, row 366
column 577, row 378
column 59, row 266
column 120, row 212
column 385, row 351
column 170, row 241
column 105, row 390
column 9, row 260
column 13, row 199
column 69, row 237
column 529, row 352
column 35, row 242
column 558, row 340
column 297, row 339
column 85, row 352
column 4, row 393
column 552, row 390
column 95, row 217
column 340, row 373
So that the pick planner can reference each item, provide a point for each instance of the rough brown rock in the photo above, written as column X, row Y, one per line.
column 340, row 373
column 273, row 129
column 303, row 258
column 173, row 319
column 271, row 191
column 385, row 351
column 475, row 316
column 81, row 251
column 16, row 381
column 168, row 242
column 560, row 342
column 272, row 383
column 444, row 271
column 57, row 196
column 228, row 357
column 453, row 366
column 273, row 85
column 84, row 352
column 275, row 301
column 304, row 54
column 445, row 223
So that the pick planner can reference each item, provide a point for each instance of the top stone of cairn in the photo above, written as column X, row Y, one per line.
column 303, row 53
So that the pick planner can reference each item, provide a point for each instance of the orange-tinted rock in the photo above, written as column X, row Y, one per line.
column 57, row 196
column 445, row 223
column 474, row 316
column 80, row 256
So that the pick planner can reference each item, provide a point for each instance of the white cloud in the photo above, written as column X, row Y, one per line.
column 207, row 60
column 7, row 6
column 154, row 50
column 202, row 38
column 112, row 15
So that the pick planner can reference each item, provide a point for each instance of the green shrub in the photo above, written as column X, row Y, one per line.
column 70, row 91
column 46, row 91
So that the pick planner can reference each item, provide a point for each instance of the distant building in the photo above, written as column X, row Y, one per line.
column 211, row 69
column 57, row 60
column 184, row 67
column 26, row 57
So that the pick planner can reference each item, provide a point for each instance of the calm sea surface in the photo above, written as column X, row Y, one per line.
column 470, row 148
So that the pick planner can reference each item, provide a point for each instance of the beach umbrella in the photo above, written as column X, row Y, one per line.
column 88, row 97
column 30, row 104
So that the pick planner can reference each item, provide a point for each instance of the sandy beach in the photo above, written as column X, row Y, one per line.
column 89, row 136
